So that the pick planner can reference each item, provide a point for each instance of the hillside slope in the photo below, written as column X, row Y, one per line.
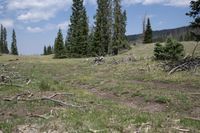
column 127, row 93
column 182, row 33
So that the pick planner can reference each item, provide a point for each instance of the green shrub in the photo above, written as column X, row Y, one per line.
column 44, row 86
column 162, row 99
column 159, row 51
column 171, row 50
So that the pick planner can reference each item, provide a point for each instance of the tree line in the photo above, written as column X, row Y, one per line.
column 4, row 44
column 106, row 37
column 48, row 50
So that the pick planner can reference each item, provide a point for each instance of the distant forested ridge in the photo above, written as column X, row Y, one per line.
column 181, row 34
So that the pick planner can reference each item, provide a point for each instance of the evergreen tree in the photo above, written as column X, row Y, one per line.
column 148, row 33
column 77, row 37
column 49, row 50
column 5, row 44
column 1, row 39
column 90, row 42
column 195, row 14
column 45, row 50
column 59, row 49
column 118, row 34
column 14, row 50
column 103, row 28
column 125, row 44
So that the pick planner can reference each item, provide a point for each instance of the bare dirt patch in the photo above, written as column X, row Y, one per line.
column 135, row 102
column 167, row 85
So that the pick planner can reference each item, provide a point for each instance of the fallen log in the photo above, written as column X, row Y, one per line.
column 44, row 98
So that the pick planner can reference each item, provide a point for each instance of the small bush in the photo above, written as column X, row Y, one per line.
column 162, row 99
column 171, row 50
column 44, row 86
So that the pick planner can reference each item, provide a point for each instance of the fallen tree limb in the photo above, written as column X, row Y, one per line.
column 36, row 115
column 174, row 69
column 61, row 103
column 54, row 95
column 5, row 84
column 96, row 131
column 44, row 98
column 17, row 96
column 191, row 118
column 182, row 130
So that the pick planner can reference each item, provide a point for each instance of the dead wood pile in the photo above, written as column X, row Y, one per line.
column 186, row 64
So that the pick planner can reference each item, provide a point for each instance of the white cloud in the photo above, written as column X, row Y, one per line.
column 8, row 23
column 34, row 29
column 48, row 27
column 163, row 2
column 37, row 10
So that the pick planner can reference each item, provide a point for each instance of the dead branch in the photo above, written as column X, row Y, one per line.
column 191, row 118
column 61, row 103
column 174, row 69
column 96, row 131
column 17, row 96
column 36, row 115
column 44, row 98
column 54, row 95
column 28, row 82
column 182, row 130
column 186, row 64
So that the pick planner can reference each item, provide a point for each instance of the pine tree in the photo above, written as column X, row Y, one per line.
column 59, row 49
column 125, row 44
column 49, row 50
column 77, row 37
column 103, row 28
column 14, row 50
column 195, row 14
column 1, row 39
column 5, row 44
column 45, row 50
column 148, row 33
column 118, row 26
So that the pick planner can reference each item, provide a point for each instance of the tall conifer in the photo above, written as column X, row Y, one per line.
column 5, row 44
column 77, row 37
column 117, row 28
column 14, row 49
column 59, row 49
column 148, row 33
column 103, row 28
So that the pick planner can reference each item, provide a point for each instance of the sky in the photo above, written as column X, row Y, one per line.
column 36, row 22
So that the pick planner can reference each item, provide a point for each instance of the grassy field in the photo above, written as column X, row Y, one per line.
column 126, row 94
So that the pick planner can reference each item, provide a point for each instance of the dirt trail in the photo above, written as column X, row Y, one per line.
column 135, row 102
column 167, row 85
column 139, row 102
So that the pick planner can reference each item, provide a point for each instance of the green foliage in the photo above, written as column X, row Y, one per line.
column 45, row 50
column 187, row 122
column 159, row 51
column 172, row 50
column 77, row 38
column 48, row 50
column 103, row 28
column 59, row 49
column 148, row 33
column 3, row 41
column 119, row 28
column 44, row 85
column 162, row 99
column 14, row 50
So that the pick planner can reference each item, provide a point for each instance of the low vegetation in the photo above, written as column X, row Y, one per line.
column 171, row 50
column 124, row 93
